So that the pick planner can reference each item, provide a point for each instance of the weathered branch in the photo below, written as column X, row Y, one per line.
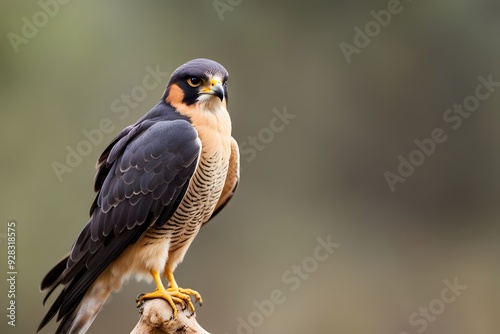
column 156, row 319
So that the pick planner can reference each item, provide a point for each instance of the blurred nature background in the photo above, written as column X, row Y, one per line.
column 320, row 176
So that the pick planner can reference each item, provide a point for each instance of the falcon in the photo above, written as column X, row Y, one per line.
column 157, row 183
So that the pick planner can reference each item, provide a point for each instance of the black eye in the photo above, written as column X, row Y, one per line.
column 194, row 81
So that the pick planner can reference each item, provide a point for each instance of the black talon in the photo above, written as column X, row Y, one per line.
column 138, row 300
column 195, row 300
column 191, row 314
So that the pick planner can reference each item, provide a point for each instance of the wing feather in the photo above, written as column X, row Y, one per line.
column 142, row 177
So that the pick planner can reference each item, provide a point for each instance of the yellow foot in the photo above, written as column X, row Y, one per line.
column 185, row 295
column 172, row 296
column 161, row 293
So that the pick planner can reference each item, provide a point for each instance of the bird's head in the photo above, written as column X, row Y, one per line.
column 200, row 81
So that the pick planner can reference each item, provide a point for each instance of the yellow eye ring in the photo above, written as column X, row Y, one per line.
column 194, row 81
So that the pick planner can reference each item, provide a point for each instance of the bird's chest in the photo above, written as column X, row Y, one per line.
column 200, row 200
column 205, row 187
column 202, row 195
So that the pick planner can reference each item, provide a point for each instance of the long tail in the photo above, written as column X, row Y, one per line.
column 75, row 318
column 79, row 321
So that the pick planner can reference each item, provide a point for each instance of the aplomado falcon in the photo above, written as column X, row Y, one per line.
column 157, row 183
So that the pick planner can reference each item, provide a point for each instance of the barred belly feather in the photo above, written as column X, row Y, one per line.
column 198, row 204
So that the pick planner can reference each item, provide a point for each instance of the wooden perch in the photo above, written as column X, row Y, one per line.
column 156, row 319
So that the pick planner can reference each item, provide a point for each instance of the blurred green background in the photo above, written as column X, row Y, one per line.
column 321, row 175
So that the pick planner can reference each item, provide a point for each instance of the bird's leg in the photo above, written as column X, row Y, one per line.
column 161, row 292
column 184, row 294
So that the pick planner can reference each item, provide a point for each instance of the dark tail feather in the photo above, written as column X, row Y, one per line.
column 50, row 282
column 52, row 311
column 81, row 317
column 53, row 278
column 77, row 318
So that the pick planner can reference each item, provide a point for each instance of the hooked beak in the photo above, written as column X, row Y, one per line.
column 214, row 88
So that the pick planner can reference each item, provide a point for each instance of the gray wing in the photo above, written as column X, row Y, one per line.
column 143, row 176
